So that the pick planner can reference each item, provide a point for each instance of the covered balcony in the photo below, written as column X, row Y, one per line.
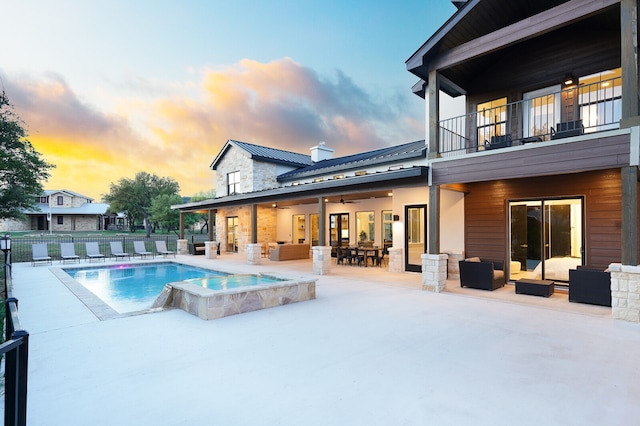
column 585, row 106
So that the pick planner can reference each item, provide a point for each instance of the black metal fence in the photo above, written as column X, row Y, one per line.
column 21, row 248
column 15, row 351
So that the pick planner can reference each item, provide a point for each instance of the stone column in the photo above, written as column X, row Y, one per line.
column 434, row 272
column 210, row 249
column 182, row 247
column 625, row 292
column 321, row 260
column 453, row 267
column 254, row 253
column 395, row 259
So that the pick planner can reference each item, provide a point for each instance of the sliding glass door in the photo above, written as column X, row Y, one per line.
column 546, row 238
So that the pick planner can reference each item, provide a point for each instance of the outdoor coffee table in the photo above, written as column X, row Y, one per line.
column 534, row 287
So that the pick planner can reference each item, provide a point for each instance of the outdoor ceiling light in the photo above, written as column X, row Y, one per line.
column 569, row 80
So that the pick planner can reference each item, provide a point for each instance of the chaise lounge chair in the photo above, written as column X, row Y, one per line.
column 93, row 252
column 40, row 253
column 68, row 253
column 161, row 248
column 117, row 251
column 139, row 249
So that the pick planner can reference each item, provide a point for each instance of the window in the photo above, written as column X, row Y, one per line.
column 60, row 220
column 492, row 119
column 233, row 183
column 365, row 226
column 60, row 200
column 600, row 100
column 387, row 226
column 43, row 200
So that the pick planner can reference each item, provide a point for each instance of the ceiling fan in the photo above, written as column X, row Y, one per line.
column 342, row 201
column 276, row 206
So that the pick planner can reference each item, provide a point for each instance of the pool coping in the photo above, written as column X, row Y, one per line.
column 105, row 312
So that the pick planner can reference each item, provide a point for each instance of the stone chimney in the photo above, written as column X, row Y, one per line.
column 321, row 152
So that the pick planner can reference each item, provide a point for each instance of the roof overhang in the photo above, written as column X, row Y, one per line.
column 348, row 185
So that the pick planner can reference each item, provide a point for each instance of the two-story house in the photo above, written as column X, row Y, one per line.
column 61, row 210
column 541, row 170
column 547, row 152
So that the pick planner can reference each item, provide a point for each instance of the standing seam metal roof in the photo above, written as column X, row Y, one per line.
column 274, row 154
column 377, row 156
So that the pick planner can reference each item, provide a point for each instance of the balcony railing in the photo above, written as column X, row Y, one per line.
column 574, row 111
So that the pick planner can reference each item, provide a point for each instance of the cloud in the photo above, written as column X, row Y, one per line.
column 175, row 129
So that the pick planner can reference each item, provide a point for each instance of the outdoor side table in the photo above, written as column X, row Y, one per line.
column 534, row 287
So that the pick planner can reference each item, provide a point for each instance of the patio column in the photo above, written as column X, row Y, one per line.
column 181, row 225
column 321, row 252
column 433, row 114
column 322, row 211
column 434, row 219
column 629, row 63
column 254, row 250
column 212, row 225
column 629, row 215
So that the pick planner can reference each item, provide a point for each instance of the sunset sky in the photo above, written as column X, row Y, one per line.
column 107, row 89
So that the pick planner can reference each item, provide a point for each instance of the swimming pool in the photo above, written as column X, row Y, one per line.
column 121, row 290
column 129, row 288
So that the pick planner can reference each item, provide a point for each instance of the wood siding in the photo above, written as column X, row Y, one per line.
column 549, row 158
column 486, row 218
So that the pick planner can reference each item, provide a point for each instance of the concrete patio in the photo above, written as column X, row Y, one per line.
column 371, row 349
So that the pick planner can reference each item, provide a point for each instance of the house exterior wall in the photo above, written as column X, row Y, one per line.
column 486, row 216
column 265, row 226
column 254, row 175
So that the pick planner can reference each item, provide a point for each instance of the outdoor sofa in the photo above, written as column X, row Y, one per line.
column 289, row 252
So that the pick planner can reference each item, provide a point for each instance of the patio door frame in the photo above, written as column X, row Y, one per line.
column 423, row 233
column 544, row 233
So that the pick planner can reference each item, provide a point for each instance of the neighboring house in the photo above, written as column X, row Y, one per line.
column 61, row 210
column 541, row 172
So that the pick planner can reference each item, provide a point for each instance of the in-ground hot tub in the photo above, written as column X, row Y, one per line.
column 207, row 303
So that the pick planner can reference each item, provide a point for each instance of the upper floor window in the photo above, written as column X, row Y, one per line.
column 233, row 182
column 43, row 200
column 60, row 200
column 492, row 119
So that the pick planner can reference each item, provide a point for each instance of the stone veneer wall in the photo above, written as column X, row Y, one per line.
column 453, row 267
column 254, row 175
column 434, row 272
column 266, row 226
column 625, row 292
column 211, row 304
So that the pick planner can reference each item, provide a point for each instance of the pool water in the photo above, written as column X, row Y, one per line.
column 130, row 288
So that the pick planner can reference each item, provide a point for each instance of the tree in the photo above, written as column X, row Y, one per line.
column 21, row 167
column 133, row 197
column 162, row 213
column 193, row 218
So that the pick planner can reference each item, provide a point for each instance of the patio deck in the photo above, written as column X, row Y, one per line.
column 371, row 349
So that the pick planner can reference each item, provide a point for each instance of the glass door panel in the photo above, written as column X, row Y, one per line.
column 338, row 231
column 541, row 112
column 546, row 238
column 416, row 236
column 297, row 230
column 232, row 234
column 313, row 219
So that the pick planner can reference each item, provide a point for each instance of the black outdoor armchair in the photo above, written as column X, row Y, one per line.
column 485, row 275
column 587, row 285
